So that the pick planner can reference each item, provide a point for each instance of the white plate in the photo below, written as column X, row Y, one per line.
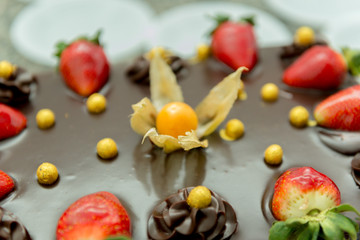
column 39, row 26
column 182, row 28
column 314, row 13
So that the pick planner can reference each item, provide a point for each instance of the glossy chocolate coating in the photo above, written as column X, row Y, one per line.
column 141, row 176
column 11, row 228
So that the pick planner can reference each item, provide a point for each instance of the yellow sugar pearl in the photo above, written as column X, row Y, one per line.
column 6, row 69
column 202, row 51
column 96, row 103
column 270, row 92
column 160, row 50
column 273, row 154
column 304, row 36
column 106, row 148
column 234, row 129
column 45, row 118
column 47, row 173
column 199, row 197
column 299, row 116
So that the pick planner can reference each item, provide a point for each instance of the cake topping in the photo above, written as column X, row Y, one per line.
column 355, row 168
column 45, row 118
column 96, row 103
column 11, row 228
column 234, row 129
column 306, row 203
column 47, row 173
column 199, row 197
column 273, row 154
column 106, row 148
column 269, row 92
column 12, row 121
column 304, row 36
column 7, row 184
column 299, row 116
column 175, row 219
column 6, row 69
column 95, row 216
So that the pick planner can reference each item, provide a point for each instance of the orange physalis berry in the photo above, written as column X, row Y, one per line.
column 176, row 118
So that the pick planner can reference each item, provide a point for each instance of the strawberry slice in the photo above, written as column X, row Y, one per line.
column 319, row 67
column 340, row 110
column 83, row 65
column 307, row 204
column 12, row 121
column 96, row 216
column 6, row 184
column 234, row 43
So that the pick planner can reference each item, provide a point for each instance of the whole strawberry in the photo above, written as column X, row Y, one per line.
column 319, row 67
column 6, row 184
column 83, row 65
column 341, row 110
column 12, row 121
column 234, row 43
column 306, row 203
column 96, row 216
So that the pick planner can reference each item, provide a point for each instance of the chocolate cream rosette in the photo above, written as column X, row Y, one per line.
column 11, row 228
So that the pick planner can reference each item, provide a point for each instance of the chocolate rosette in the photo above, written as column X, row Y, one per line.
column 11, row 228
column 175, row 219
column 17, row 88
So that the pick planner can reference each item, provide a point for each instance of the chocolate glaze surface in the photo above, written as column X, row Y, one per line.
column 141, row 176
column 11, row 228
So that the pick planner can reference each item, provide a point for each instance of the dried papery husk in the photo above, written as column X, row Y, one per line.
column 214, row 108
column 163, row 84
column 144, row 116
column 170, row 144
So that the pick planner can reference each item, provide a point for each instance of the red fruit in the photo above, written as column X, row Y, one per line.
column 12, row 122
column 84, row 66
column 95, row 216
column 341, row 110
column 234, row 44
column 300, row 191
column 6, row 184
column 319, row 67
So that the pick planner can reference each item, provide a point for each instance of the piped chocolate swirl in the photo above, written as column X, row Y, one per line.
column 11, row 228
column 175, row 219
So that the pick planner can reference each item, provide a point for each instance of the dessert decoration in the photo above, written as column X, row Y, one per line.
column 106, row 148
column 319, row 67
column 307, row 205
column 234, row 129
column 83, row 65
column 299, row 116
column 7, row 184
column 45, row 118
column 15, row 83
column 355, row 168
column 346, row 142
column 95, row 216
column 203, row 51
column 183, row 216
column 164, row 89
column 352, row 59
column 47, row 173
column 269, row 92
column 340, row 110
column 139, row 71
column 273, row 154
column 234, row 43
column 304, row 36
column 12, row 121
column 96, row 103
column 11, row 227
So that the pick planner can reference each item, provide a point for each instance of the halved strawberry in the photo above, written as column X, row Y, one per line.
column 96, row 216
column 341, row 110
column 234, row 43
column 83, row 65
column 319, row 67
column 12, row 121
column 6, row 184
column 307, row 204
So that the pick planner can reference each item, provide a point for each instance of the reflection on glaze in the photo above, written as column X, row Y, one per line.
column 11, row 228
column 341, row 141
column 355, row 168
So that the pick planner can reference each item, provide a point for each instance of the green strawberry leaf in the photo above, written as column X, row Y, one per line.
column 331, row 230
column 352, row 58
column 118, row 238
column 248, row 19
column 344, row 208
column 311, row 231
column 344, row 223
column 280, row 231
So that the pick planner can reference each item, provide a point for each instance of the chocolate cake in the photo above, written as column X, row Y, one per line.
column 142, row 175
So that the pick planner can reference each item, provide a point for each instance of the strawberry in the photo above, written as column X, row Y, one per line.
column 12, row 121
column 96, row 216
column 234, row 43
column 307, row 204
column 83, row 65
column 319, row 67
column 6, row 184
column 340, row 110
